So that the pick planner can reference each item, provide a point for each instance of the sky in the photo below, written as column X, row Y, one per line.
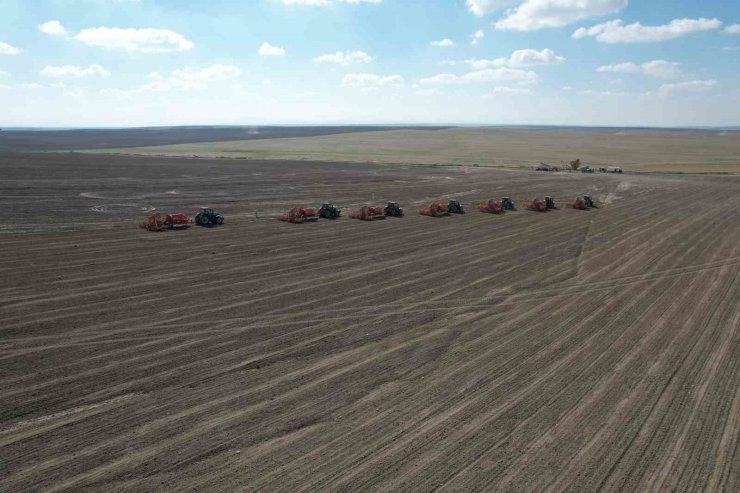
column 118, row 63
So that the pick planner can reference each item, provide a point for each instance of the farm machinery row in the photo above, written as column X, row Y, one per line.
column 207, row 217
column 328, row 210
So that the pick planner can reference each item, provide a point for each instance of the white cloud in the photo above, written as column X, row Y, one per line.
column 448, row 61
column 345, row 58
column 6, row 49
column 655, row 68
column 498, row 74
column 483, row 63
column 661, row 69
column 620, row 68
column 733, row 29
column 73, row 72
column 477, row 36
column 537, row 14
column 483, row 7
column 53, row 28
column 603, row 94
column 510, row 90
column 485, row 75
column 371, row 80
column 693, row 85
column 268, row 50
column 529, row 57
column 32, row 85
column 145, row 40
column 209, row 74
column 443, row 42
column 3, row 73
column 429, row 92
column 323, row 3
column 616, row 31
column 520, row 58
column 440, row 79
column 184, row 79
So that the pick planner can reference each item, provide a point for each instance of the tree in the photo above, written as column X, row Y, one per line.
column 574, row 165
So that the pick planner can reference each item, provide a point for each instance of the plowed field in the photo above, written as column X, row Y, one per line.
column 567, row 350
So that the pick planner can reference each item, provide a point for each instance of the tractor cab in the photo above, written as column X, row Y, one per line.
column 209, row 217
column 328, row 211
column 508, row 204
column 393, row 209
column 589, row 201
column 550, row 202
column 454, row 207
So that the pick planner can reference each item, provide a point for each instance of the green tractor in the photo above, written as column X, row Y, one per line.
column 209, row 217
column 508, row 204
column 550, row 202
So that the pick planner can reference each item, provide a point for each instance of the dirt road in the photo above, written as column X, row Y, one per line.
column 568, row 350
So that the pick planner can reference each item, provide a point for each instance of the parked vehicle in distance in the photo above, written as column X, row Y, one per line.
column 614, row 169
column 586, row 169
column 543, row 167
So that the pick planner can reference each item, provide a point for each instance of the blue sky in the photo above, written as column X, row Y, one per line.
column 572, row 62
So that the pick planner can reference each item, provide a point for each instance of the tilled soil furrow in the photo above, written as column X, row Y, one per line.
column 570, row 350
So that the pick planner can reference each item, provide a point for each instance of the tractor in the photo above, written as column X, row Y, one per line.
column 589, row 201
column 454, row 207
column 508, row 204
column 328, row 211
column 209, row 217
column 550, row 202
column 393, row 209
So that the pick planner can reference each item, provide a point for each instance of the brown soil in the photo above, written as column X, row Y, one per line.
column 567, row 350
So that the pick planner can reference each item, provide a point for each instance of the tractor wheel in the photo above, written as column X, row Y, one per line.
column 219, row 220
column 203, row 220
